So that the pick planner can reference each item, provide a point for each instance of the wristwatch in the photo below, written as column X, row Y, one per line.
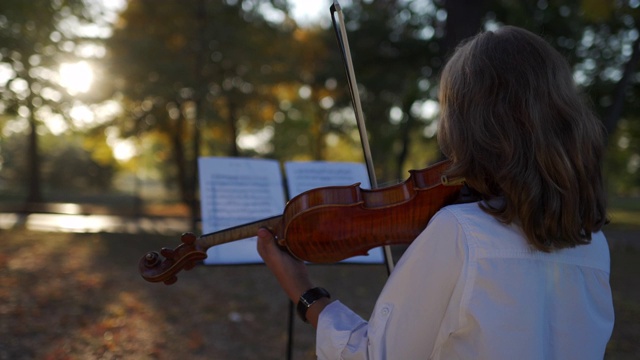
column 309, row 298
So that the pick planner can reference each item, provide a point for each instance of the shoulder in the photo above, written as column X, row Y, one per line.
column 478, row 229
column 447, row 231
column 459, row 212
column 462, row 216
column 483, row 236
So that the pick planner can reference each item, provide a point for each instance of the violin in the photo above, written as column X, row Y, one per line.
column 327, row 224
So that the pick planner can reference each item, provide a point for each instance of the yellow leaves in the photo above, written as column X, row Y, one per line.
column 301, row 35
column 266, row 111
column 176, row 42
column 598, row 10
column 286, row 91
column 100, row 151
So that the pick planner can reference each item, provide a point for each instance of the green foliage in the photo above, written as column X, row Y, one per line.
column 67, row 165
column 623, row 159
column 72, row 169
column 35, row 38
column 13, row 173
column 396, row 55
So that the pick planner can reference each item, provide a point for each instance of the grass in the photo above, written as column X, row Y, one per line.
column 624, row 212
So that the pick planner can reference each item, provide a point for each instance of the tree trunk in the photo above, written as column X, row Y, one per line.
column 464, row 19
column 200, row 95
column 233, row 128
column 405, row 130
column 34, row 190
column 318, row 133
column 177, row 145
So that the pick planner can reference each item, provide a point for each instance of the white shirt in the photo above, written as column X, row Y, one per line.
column 470, row 287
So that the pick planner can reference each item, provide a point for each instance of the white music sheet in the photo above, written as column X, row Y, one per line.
column 236, row 191
column 303, row 176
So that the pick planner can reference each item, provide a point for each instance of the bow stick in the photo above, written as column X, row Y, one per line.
column 343, row 42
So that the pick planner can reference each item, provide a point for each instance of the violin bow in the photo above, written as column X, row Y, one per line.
column 343, row 42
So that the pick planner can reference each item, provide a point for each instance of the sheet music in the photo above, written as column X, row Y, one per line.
column 236, row 191
column 303, row 176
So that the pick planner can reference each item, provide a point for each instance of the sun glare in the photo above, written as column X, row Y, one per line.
column 76, row 77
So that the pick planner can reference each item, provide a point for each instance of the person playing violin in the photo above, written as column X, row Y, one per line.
column 522, row 273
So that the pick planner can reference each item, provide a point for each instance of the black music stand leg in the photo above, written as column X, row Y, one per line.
column 290, row 331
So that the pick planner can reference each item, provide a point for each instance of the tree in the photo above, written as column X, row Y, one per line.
column 179, row 68
column 197, row 71
column 35, row 37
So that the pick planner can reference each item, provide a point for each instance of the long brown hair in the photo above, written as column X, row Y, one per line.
column 515, row 125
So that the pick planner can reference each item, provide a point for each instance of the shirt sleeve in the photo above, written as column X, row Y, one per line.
column 341, row 333
column 407, row 316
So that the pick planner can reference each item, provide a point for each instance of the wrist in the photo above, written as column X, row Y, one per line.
column 313, row 315
column 310, row 298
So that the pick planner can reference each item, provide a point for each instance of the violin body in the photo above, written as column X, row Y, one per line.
column 328, row 224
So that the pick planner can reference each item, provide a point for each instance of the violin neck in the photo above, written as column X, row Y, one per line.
column 237, row 232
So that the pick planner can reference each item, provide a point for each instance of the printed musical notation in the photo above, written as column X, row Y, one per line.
column 236, row 191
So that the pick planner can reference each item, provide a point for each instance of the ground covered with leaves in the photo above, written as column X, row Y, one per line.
column 79, row 296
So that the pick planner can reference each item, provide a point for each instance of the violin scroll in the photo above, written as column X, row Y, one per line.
column 164, row 266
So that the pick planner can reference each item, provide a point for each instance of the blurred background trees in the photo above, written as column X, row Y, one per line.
column 106, row 97
column 37, row 40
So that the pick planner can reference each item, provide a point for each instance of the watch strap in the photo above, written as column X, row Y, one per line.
column 308, row 298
